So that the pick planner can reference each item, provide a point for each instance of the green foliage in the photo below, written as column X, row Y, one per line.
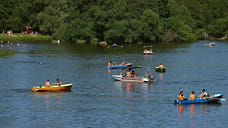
column 5, row 52
column 220, row 28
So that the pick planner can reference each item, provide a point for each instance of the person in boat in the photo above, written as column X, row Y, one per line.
column 47, row 83
column 204, row 94
column 123, row 62
column 192, row 96
column 110, row 63
column 128, row 73
column 133, row 73
column 181, row 96
column 161, row 65
column 58, row 82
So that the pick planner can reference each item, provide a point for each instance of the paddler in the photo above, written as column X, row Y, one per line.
column 128, row 73
column 110, row 63
column 181, row 96
column 161, row 65
column 58, row 82
column 192, row 96
column 133, row 73
column 47, row 84
column 204, row 94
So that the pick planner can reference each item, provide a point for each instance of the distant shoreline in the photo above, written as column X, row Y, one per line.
column 218, row 39
column 23, row 37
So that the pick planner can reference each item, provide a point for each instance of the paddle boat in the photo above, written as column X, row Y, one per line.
column 119, row 66
column 148, row 52
column 160, row 68
column 114, row 45
column 55, row 88
column 124, row 70
column 212, row 99
column 211, row 44
column 103, row 43
column 147, row 78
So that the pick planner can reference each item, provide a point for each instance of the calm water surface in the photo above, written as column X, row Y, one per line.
column 96, row 100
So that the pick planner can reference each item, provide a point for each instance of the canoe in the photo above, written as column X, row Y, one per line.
column 148, row 53
column 158, row 69
column 148, row 78
column 151, row 53
column 119, row 66
column 216, row 98
column 63, row 87
column 211, row 44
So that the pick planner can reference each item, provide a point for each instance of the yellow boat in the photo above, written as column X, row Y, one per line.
column 54, row 88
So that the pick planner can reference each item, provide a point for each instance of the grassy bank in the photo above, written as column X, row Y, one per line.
column 5, row 52
column 22, row 37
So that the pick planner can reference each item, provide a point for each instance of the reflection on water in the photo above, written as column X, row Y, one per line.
column 131, row 88
column 49, row 94
column 161, row 76
column 191, row 111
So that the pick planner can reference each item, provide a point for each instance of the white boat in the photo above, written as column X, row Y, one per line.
column 147, row 78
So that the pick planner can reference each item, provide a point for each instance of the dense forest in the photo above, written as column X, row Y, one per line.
column 118, row 21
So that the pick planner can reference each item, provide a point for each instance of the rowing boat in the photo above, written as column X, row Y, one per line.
column 148, row 78
column 119, row 66
column 148, row 52
column 159, row 69
column 213, row 98
column 63, row 87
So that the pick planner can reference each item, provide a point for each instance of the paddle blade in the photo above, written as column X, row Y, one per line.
column 222, row 99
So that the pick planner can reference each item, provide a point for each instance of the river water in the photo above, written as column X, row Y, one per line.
column 96, row 100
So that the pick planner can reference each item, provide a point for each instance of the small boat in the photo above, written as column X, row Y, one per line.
column 114, row 45
column 103, row 43
column 148, row 52
column 63, row 87
column 119, row 66
column 148, row 78
column 211, row 44
column 214, row 98
column 160, row 69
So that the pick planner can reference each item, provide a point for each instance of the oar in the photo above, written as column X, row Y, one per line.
column 221, row 99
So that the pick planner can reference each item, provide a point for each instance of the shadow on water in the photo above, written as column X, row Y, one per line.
column 29, row 62
column 193, row 111
column 20, row 90
column 59, row 93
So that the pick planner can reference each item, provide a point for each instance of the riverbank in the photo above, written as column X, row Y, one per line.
column 24, row 37
column 225, row 38
column 5, row 52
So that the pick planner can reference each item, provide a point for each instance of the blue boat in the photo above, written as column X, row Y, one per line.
column 119, row 66
column 214, row 98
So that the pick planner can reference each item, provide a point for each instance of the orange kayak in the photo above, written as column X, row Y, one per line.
column 63, row 87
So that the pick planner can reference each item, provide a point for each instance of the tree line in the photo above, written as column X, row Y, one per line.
column 118, row 21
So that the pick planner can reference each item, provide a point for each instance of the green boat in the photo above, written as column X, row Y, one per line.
column 159, row 69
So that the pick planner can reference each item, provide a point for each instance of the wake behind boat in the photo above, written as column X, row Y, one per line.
column 63, row 87
column 212, row 99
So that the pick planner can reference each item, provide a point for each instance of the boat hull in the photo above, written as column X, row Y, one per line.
column 135, row 79
column 64, row 87
column 160, row 69
column 215, row 98
column 119, row 66
column 148, row 53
